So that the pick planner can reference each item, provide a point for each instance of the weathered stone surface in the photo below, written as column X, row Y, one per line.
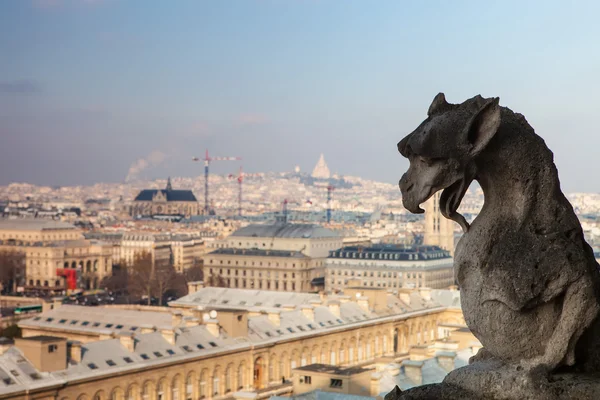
column 530, row 286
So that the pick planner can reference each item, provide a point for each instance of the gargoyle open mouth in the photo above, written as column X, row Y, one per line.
column 450, row 201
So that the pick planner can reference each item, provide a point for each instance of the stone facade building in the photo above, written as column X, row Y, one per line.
column 389, row 267
column 279, row 256
column 56, row 255
column 151, row 202
column 217, row 343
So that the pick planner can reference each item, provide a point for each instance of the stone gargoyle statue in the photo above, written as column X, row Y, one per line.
column 530, row 286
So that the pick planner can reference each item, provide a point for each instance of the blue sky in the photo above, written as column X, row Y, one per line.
column 87, row 87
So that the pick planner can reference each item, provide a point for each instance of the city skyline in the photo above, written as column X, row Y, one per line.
column 87, row 92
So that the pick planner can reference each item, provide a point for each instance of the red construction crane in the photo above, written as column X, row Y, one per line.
column 240, row 179
column 207, row 160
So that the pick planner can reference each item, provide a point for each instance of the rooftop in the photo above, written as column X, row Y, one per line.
column 170, row 195
column 31, row 224
column 43, row 338
column 286, row 230
column 259, row 253
column 392, row 252
column 332, row 369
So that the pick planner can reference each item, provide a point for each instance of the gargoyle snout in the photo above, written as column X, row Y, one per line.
column 405, row 185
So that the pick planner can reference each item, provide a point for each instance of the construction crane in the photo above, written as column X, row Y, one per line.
column 240, row 180
column 207, row 160
column 330, row 189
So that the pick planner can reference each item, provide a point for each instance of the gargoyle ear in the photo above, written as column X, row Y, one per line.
column 438, row 105
column 483, row 126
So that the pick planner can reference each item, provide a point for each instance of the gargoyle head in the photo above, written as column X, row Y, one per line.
column 442, row 152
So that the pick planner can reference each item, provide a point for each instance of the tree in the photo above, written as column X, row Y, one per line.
column 216, row 281
column 193, row 274
column 12, row 269
column 164, row 279
column 140, row 280
column 118, row 281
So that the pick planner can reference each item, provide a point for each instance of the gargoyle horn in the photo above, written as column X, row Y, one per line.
column 438, row 105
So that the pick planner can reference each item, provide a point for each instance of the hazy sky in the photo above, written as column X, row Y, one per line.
column 87, row 87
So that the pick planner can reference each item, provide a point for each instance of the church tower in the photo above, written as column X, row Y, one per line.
column 169, row 187
column 439, row 231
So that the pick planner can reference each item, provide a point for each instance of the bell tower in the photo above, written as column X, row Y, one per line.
column 439, row 231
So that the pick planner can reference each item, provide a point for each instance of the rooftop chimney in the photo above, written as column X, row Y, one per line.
column 193, row 287
column 425, row 293
column 169, row 335
column 46, row 353
column 308, row 312
column 334, row 307
column 191, row 322
column 289, row 307
column 375, row 389
column 413, row 371
column 274, row 317
column 363, row 303
column 446, row 359
column 176, row 318
column 212, row 325
column 128, row 341
column 75, row 351
column 404, row 295
column 147, row 329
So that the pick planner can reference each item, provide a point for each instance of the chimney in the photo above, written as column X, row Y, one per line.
column 212, row 325
column 363, row 303
column 425, row 293
column 413, row 371
column 5, row 344
column 446, row 359
column 418, row 353
column 147, row 329
column 315, row 303
column 344, row 299
column 405, row 295
column 46, row 353
column 75, row 351
column 289, row 307
column 176, row 318
column 375, row 390
column 128, row 341
column 334, row 308
column 191, row 322
column 308, row 312
column 274, row 317
column 169, row 335
column 193, row 287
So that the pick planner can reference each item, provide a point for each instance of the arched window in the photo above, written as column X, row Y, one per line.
column 240, row 376
column 160, row 391
column 228, row 378
column 215, row 383
column 189, row 388
column 175, row 389
column 131, row 394
column 203, row 390
column 146, row 391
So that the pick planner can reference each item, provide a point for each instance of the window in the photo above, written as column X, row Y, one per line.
column 307, row 380
column 109, row 325
column 144, row 356
column 157, row 354
column 52, row 348
column 62, row 321
column 128, row 360
column 92, row 366
column 110, row 363
column 187, row 348
column 85, row 323
column 170, row 352
column 213, row 344
column 49, row 319
column 96, row 324
column 119, row 326
column 291, row 330
column 335, row 383
column 199, row 346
